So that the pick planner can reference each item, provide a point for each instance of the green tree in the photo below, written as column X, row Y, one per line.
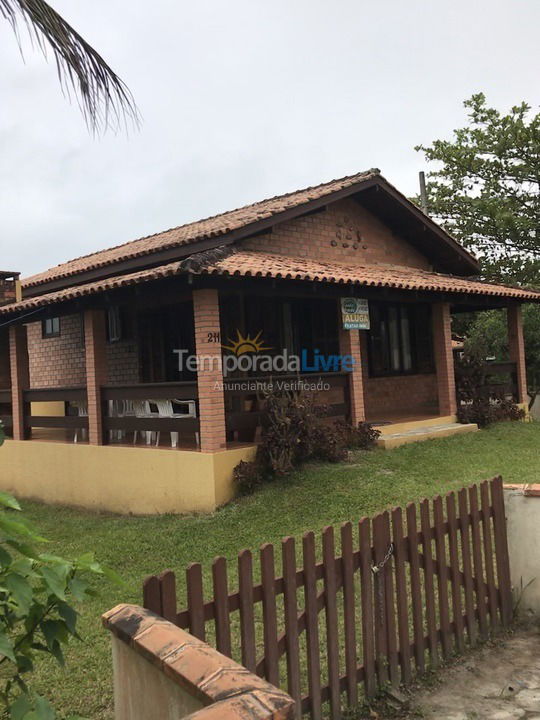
column 102, row 94
column 37, row 613
column 487, row 336
column 485, row 189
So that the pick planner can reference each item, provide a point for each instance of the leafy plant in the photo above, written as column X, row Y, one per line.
column 37, row 616
column 294, row 430
column 477, row 402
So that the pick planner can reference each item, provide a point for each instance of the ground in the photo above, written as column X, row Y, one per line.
column 317, row 495
column 501, row 681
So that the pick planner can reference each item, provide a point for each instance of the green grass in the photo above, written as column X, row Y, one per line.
column 317, row 495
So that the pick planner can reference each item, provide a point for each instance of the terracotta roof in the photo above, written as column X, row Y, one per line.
column 215, row 226
column 255, row 264
column 264, row 265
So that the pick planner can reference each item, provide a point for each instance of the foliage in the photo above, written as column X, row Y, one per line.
column 487, row 336
column 486, row 191
column 295, row 430
column 102, row 93
column 475, row 405
column 37, row 616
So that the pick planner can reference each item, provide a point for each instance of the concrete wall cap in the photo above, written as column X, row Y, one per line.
column 230, row 690
column 527, row 489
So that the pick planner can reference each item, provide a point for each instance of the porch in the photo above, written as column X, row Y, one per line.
column 121, row 407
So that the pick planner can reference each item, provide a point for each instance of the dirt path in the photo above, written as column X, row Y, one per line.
column 499, row 682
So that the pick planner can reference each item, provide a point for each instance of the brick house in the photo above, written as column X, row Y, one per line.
column 87, row 348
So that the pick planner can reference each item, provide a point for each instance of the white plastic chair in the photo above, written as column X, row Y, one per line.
column 165, row 410
column 141, row 409
column 82, row 411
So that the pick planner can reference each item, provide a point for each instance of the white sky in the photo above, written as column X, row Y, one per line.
column 242, row 100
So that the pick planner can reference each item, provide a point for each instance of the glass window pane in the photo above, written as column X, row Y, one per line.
column 394, row 339
column 406, row 340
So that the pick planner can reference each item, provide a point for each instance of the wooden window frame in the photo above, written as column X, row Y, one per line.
column 47, row 334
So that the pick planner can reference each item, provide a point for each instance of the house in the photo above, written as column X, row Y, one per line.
column 130, row 378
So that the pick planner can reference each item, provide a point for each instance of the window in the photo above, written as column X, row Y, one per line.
column 114, row 324
column 400, row 339
column 50, row 327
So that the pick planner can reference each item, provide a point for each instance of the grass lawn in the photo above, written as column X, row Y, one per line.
column 317, row 495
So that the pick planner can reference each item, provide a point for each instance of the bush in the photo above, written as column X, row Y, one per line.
column 295, row 430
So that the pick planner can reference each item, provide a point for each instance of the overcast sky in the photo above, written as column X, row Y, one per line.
column 242, row 100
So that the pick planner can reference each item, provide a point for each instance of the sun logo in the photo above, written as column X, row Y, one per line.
column 247, row 344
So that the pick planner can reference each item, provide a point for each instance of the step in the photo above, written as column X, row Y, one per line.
column 392, row 428
column 418, row 433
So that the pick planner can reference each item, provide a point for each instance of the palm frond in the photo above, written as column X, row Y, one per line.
column 103, row 97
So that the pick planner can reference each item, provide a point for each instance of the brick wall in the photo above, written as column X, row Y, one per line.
column 60, row 361
column 345, row 233
column 401, row 393
column 57, row 361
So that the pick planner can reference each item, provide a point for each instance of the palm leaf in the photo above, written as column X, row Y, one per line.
column 103, row 97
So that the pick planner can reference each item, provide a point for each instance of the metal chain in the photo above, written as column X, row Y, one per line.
column 379, row 581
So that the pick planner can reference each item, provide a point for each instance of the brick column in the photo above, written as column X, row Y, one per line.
column 210, row 376
column 20, row 378
column 96, row 371
column 444, row 359
column 349, row 344
column 516, row 346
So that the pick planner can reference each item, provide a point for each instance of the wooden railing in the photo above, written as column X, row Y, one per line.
column 244, row 406
column 404, row 591
column 5, row 411
column 71, row 397
column 493, row 380
column 113, row 395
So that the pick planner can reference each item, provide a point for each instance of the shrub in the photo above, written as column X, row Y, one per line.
column 294, row 430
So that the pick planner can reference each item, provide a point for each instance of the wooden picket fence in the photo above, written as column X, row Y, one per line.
column 405, row 592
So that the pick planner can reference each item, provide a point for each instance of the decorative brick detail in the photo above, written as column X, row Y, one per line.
column 444, row 359
column 349, row 344
column 230, row 690
column 96, row 371
column 210, row 377
column 20, row 377
column 345, row 233
column 516, row 346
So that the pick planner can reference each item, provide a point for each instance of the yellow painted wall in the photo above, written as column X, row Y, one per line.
column 124, row 480
column 48, row 409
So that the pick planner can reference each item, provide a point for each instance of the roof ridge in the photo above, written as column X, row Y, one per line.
column 362, row 174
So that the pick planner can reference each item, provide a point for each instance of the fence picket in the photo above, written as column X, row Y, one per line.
column 379, row 587
column 195, row 601
column 488, row 553
column 479, row 584
column 464, row 521
column 349, row 616
column 431, row 613
column 221, row 603
column 442, row 576
column 152, row 594
column 167, row 580
column 247, row 616
column 288, row 552
column 401, row 596
column 457, row 613
column 501, row 550
column 330, row 592
column 268, row 580
column 366, row 596
column 391, row 638
column 312, row 626
column 416, row 589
